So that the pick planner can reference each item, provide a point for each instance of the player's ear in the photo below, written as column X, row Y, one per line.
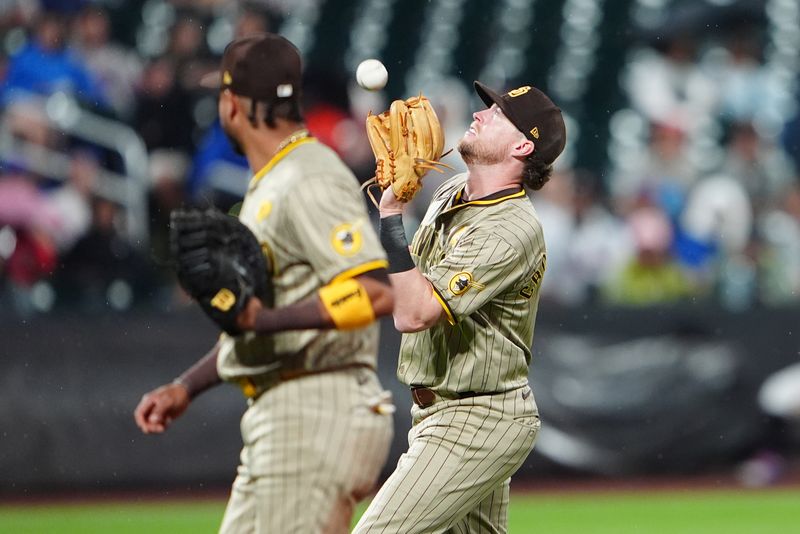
column 523, row 148
column 231, row 104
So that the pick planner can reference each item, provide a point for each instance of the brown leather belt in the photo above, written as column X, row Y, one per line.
column 424, row 397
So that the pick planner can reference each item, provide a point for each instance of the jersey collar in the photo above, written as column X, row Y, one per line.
column 277, row 158
column 488, row 200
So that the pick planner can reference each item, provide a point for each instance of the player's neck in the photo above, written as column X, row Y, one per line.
column 483, row 180
column 264, row 144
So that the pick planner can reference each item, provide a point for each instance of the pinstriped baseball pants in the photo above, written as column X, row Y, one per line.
column 455, row 476
column 313, row 447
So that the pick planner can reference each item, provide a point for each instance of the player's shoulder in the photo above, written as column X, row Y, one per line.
column 314, row 158
column 316, row 167
column 450, row 187
column 515, row 222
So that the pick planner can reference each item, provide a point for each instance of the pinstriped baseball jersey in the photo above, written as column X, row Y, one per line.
column 306, row 209
column 485, row 259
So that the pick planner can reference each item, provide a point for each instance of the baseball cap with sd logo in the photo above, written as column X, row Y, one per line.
column 534, row 114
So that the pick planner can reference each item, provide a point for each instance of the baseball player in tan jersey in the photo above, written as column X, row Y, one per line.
column 466, row 301
column 318, row 425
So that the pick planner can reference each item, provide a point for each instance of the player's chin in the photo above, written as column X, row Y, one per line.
column 466, row 146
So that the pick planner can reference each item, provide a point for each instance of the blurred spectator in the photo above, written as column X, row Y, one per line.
column 779, row 229
column 168, row 169
column 748, row 91
column 63, row 7
column 24, row 206
column 164, row 109
column 44, row 65
column 790, row 137
column 661, row 174
column 254, row 18
column 116, row 68
column 586, row 243
column 218, row 173
column 26, row 120
column 186, row 48
column 17, row 13
column 217, row 166
column 33, row 258
column 668, row 86
column 652, row 276
column 760, row 167
column 103, row 269
column 718, row 214
column 27, row 252
column 71, row 202
column 328, row 118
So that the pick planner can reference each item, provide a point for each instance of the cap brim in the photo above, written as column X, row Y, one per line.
column 489, row 97
column 212, row 80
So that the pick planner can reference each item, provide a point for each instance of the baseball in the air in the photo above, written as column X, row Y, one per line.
column 372, row 75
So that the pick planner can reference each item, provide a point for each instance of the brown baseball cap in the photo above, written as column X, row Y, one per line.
column 534, row 114
column 263, row 67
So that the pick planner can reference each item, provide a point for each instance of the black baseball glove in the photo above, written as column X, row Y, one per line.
column 219, row 263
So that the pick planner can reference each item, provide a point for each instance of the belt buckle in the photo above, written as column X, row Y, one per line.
column 423, row 397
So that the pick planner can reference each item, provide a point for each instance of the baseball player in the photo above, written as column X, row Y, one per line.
column 317, row 428
column 466, row 300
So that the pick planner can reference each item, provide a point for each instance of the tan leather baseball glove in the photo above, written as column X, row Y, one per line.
column 407, row 141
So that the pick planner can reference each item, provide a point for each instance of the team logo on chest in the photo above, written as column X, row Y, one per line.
column 461, row 282
column 346, row 239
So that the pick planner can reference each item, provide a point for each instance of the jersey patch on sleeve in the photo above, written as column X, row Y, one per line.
column 346, row 239
column 461, row 282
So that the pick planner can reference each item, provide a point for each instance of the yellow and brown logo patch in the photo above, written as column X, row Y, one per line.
column 535, row 132
column 346, row 239
column 227, row 79
column 461, row 282
column 223, row 300
column 519, row 91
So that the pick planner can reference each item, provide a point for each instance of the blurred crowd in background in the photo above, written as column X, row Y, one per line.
column 104, row 130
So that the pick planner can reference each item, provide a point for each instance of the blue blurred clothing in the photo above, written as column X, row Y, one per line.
column 214, row 147
column 67, row 7
column 44, row 72
column 791, row 139
column 692, row 252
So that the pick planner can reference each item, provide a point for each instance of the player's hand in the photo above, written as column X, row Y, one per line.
column 389, row 204
column 160, row 407
column 246, row 320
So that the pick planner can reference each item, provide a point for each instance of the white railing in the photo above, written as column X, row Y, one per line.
column 128, row 190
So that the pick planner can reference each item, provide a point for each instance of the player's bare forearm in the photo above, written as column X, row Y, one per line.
column 202, row 375
column 351, row 304
column 159, row 407
column 416, row 307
